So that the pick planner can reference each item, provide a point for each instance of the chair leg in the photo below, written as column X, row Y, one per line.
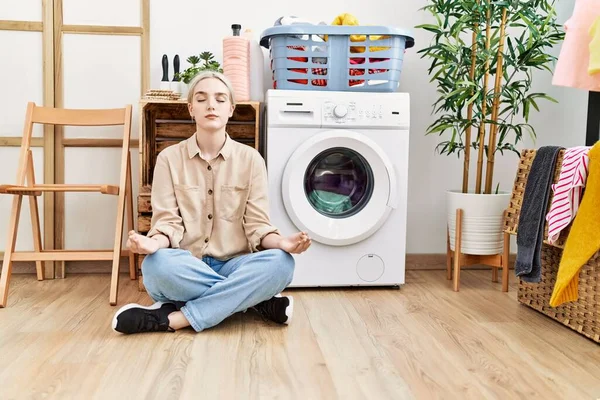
column 448, row 257
column 13, row 226
column 35, row 217
column 494, row 274
column 129, row 200
column 114, row 282
column 457, row 249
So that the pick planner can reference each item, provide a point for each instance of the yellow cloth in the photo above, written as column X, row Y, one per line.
column 584, row 238
column 594, row 65
column 349, row 19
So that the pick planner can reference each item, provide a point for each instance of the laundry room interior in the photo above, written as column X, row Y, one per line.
column 391, row 200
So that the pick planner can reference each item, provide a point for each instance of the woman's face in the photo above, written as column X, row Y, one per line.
column 211, row 105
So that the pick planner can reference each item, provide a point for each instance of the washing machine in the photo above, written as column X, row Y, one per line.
column 338, row 169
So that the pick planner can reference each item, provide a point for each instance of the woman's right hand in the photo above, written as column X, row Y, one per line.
column 141, row 244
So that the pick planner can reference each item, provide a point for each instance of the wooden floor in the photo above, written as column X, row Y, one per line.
column 423, row 341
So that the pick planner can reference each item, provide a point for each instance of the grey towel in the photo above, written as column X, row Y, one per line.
column 532, row 218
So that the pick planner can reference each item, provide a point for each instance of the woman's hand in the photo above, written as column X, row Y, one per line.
column 141, row 244
column 296, row 243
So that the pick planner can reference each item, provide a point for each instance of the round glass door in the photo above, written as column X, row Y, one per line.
column 338, row 182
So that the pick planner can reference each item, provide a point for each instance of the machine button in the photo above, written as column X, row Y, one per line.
column 340, row 111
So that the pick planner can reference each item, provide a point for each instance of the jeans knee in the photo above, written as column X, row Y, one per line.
column 154, row 269
column 282, row 264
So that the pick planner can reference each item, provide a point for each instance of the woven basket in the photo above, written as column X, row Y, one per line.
column 582, row 315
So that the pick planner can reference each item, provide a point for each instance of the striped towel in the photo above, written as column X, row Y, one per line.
column 568, row 190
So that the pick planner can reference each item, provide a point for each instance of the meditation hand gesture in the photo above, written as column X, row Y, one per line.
column 141, row 244
column 296, row 243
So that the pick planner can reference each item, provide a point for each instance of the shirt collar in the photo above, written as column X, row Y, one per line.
column 193, row 149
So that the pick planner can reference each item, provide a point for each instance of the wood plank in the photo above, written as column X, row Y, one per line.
column 173, row 130
column 48, row 60
column 103, row 30
column 90, row 142
column 144, row 223
column 144, row 204
column 184, row 130
column 178, row 110
column 124, row 253
column 60, row 255
column 121, row 205
column 15, row 141
column 60, row 187
column 59, row 150
column 30, row 26
column 81, row 117
column 145, row 43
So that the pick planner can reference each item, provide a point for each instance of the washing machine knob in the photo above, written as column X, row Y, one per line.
column 340, row 111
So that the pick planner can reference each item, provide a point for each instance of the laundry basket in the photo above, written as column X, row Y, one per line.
column 336, row 58
column 582, row 315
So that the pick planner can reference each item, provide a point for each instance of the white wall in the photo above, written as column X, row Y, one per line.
column 188, row 27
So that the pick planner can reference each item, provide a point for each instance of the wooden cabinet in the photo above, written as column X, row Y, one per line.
column 164, row 123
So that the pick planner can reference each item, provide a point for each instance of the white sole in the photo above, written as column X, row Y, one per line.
column 289, row 311
column 154, row 306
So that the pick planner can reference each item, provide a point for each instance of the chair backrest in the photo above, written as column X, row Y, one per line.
column 79, row 117
column 74, row 117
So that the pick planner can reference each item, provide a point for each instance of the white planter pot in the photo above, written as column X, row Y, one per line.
column 180, row 87
column 482, row 219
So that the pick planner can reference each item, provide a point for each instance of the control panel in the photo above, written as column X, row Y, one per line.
column 357, row 113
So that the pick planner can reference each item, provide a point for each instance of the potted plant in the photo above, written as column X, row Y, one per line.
column 208, row 64
column 483, row 53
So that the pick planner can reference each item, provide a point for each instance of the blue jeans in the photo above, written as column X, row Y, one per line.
column 213, row 289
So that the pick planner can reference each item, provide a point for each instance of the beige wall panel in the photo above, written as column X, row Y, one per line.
column 105, row 12
column 21, row 80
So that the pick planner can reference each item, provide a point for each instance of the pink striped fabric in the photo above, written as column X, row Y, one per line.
column 568, row 190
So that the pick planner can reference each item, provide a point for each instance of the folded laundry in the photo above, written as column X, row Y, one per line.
column 329, row 202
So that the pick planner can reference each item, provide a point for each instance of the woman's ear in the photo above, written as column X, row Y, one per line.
column 231, row 111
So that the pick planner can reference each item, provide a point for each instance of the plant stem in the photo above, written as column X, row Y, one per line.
column 489, row 171
column 481, row 138
column 465, row 185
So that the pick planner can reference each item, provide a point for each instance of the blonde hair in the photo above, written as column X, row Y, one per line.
column 210, row 74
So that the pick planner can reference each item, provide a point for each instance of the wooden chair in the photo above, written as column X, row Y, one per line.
column 26, row 186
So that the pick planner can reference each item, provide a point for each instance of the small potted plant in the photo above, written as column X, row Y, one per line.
column 208, row 63
column 485, row 86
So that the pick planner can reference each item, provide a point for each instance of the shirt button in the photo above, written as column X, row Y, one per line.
column 209, row 216
column 206, row 240
column 210, row 191
column 209, row 167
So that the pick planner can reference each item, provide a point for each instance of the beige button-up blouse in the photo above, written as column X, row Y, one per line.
column 217, row 208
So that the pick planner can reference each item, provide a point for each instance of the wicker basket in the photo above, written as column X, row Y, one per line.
column 582, row 315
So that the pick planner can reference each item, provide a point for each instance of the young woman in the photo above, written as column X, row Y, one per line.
column 211, row 250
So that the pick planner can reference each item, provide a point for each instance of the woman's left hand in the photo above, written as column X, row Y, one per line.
column 296, row 243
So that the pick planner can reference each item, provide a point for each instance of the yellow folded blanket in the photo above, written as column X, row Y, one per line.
column 349, row 19
column 584, row 238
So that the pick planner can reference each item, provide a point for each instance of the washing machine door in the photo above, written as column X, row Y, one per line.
column 339, row 186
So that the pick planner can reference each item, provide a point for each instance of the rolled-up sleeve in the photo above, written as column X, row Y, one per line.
column 256, row 217
column 165, row 212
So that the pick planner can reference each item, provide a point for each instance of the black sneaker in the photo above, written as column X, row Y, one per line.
column 277, row 309
column 135, row 318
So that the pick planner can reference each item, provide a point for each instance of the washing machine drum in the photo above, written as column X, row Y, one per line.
column 339, row 187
